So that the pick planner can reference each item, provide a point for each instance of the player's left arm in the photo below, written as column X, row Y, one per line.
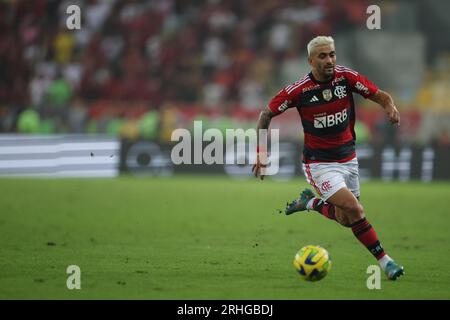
column 366, row 88
column 385, row 100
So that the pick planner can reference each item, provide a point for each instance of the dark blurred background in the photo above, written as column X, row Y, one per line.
column 141, row 68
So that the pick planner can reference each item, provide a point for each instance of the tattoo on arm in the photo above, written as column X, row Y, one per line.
column 264, row 119
column 263, row 123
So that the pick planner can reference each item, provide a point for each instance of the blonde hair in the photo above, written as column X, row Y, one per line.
column 319, row 41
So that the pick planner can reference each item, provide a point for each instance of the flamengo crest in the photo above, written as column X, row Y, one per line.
column 340, row 92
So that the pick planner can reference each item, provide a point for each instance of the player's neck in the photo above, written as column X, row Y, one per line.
column 321, row 78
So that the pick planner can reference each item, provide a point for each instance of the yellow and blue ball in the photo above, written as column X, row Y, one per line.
column 313, row 263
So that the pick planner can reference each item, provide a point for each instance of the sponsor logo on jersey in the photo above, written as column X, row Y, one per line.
column 339, row 92
column 311, row 88
column 327, row 94
column 338, row 79
column 325, row 121
column 284, row 105
column 362, row 88
column 314, row 99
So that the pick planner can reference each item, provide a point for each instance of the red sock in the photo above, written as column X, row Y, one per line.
column 326, row 209
column 368, row 237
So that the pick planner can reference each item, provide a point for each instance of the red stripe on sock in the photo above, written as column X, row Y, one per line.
column 367, row 238
column 360, row 226
column 315, row 202
column 328, row 211
column 325, row 209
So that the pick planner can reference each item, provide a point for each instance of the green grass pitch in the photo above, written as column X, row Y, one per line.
column 210, row 238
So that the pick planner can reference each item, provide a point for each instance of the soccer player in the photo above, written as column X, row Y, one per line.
column 324, row 100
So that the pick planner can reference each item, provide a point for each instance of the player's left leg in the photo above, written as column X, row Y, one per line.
column 361, row 227
column 338, row 185
column 350, row 213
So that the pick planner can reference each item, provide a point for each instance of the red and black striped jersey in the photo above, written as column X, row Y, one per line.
column 327, row 113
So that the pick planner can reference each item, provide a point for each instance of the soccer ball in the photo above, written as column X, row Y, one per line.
column 312, row 263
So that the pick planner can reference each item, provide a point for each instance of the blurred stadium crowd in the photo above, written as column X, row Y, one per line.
column 141, row 68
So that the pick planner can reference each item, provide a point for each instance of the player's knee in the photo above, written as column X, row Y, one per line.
column 343, row 220
column 357, row 215
column 354, row 210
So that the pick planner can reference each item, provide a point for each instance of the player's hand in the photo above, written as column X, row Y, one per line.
column 258, row 168
column 393, row 114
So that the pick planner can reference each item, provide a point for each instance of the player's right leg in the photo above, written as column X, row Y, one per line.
column 301, row 203
column 326, row 180
column 308, row 201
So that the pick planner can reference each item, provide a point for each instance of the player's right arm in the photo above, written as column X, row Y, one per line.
column 264, row 119
column 280, row 103
column 261, row 155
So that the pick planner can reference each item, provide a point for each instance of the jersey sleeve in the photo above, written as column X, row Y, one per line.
column 284, row 100
column 361, row 84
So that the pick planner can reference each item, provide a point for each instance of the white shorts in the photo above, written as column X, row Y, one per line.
column 328, row 177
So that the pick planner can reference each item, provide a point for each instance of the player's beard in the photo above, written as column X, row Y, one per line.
column 328, row 72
